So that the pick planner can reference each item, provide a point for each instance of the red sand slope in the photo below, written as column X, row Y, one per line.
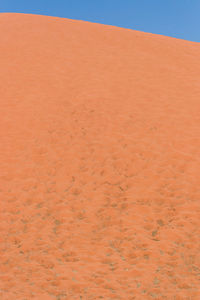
column 100, row 162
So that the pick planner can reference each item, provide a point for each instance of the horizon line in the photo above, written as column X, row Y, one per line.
column 97, row 23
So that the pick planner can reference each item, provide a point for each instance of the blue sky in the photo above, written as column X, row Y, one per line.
column 176, row 18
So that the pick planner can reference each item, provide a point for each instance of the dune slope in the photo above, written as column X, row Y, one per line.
column 99, row 160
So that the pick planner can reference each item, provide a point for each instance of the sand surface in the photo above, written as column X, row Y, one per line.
column 99, row 162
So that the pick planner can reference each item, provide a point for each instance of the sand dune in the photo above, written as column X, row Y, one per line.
column 99, row 160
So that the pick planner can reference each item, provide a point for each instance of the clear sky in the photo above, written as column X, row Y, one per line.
column 176, row 18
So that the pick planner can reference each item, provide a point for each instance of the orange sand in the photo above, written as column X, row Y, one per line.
column 100, row 162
